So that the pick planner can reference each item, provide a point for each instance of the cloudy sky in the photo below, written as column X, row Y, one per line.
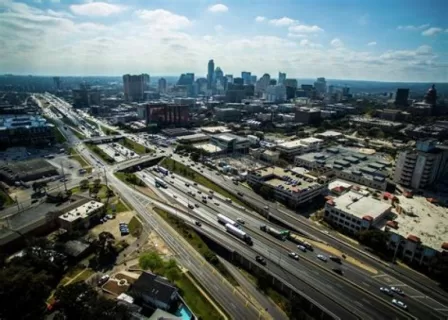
column 388, row 40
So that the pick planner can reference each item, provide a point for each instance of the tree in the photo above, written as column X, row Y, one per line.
column 374, row 238
column 151, row 261
column 97, row 182
column 172, row 270
column 84, row 184
column 195, row 156
column 105, row 252
column 23, row 293
column 80, row 301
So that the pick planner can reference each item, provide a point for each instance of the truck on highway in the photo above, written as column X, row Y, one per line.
column 282, row 235
column 239, row 233
column 160, row 183
column 300, row 241
column 226, row 220
column 163, row 170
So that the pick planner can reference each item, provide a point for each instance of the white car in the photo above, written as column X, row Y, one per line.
column 301, row 248
column 322, row 257
column 293, row 255
column 386, row 291
column 399, row 304
column 397, row 290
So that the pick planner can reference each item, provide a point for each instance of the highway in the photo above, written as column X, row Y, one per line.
column 425, row 293
column 358, row 301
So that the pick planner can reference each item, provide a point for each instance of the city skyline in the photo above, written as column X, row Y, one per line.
column 350, row 40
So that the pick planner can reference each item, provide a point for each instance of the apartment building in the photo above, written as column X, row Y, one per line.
column 419, row 168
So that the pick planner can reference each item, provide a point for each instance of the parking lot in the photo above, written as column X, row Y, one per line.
column 118, row 152
column 112, row 226
column 238, row 164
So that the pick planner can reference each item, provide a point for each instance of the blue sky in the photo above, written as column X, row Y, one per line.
column 394, row 40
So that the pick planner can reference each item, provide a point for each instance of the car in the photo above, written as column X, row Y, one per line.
column 210, row 197
column 174, row 196
column 195, row 184
column 301, row 248
column 240, row 221
column 335, row 259
column 199, row 191
column 338, row 270
column 397, row 290
column 240, row 193
column 34, row 200
column 293, row 255
column 191, row 206
column 387, row 291
column 187, row 185
column 204, row 201
column 217, row 204
column 260, row 260
column 110, row 216
column 198, row 223
column 103, row 279
column 322, row 257
column 399, row 304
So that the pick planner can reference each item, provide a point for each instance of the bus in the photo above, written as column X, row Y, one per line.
column 160, row 183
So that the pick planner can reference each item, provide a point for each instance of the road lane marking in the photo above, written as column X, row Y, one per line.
column 366, row 284
column 359, row 304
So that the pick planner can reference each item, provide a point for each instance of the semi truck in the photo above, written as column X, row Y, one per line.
column 225, row 220
column 238, row 233
column 282, row 235
column 163, row 170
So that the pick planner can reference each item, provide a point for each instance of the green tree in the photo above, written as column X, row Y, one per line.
column 195, row 156
column 23, row 292
column 172, row 271
column 150, row 261
column 84, row 184
column 375, row 239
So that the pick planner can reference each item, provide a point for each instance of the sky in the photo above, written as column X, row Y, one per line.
column 381, row 40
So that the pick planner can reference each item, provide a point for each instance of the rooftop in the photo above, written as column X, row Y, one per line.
column 82, row 212
column 218, row 129
column 154, row 286
column 299, row 142
column 360, row 206
column 375, row 121
column 208, row 147
column 23, row 121
column 295, row 180
column 423, row 219
column 329, row 134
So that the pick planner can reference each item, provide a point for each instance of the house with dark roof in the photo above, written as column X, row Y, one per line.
column 154, row 291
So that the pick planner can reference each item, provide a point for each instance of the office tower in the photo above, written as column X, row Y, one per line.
column 246, row 77
column 186, row 79
column 210, row 71
column 57, row 83
column 202, row 84
column 162, row 85
column 239, row 81
column 345, row 92
column 262, row 83
column 219, row 74
column 330, row 90
column 321, row 86
column 272, row 82
column 431, row 96
column 229, row 78
column 281, row 78
column 135, row 86
column 253, row 79
column 290, row 83
column 85, row 97
column 165, row 114
column 401, row 97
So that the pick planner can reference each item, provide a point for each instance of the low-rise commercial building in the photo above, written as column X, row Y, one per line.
column 354, row 211
column 377, row 123
column 227, row 114
column 293, row 148
column 370, row 170
column 307, row 115
column 230, row 143
column 293, row 187
column 81, row 217
column 25, row 130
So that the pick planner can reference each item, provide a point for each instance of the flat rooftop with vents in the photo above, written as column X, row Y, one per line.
column 360, row 206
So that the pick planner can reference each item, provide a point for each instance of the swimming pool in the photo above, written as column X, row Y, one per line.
column 183, row 312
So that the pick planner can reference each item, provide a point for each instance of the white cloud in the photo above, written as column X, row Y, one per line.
column 296, row 35
column 100, row 9
column 219, row 28
column 413, row 28
column 302, row 28
column 432, row 31
column 282, row 22
column 163, row 19
column 260, row 19
column 337, row 43
column 218, row 8
column 372, row 44
column 308, row 43
column 59, row 14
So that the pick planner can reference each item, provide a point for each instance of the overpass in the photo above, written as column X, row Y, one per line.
column 105, row 139
column 138, row 163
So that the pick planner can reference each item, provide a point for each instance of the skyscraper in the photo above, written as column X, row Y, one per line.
column 253, row 79
column 246, row 77
column 210, row 71
column 401, row 97
column 281, row 77
column 135, row 86
column 321, row 86
column 263, row 83
column 162, row 85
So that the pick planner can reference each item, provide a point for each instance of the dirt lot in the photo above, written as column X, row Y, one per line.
column 112, row 226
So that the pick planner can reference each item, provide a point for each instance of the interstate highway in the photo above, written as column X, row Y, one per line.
column 326, row 281
column 425, row 291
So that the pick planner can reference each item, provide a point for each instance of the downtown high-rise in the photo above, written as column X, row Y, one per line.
column 210, row 72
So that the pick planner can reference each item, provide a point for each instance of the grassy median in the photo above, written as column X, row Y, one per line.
column 195, row 240
column 134, row 146
column 84, row 164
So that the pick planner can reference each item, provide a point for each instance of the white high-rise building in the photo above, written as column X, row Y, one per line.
column 262, row 83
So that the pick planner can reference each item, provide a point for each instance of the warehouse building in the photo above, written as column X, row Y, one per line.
column 293, row 148
column 81, row 217
column 231, row 143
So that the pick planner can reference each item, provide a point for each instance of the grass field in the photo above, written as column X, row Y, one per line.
column 75, row 155
column 186, row 172
column 134, row 146
column 135, row 227
column 5, row 199
column 100, row 153
column 193, row 238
